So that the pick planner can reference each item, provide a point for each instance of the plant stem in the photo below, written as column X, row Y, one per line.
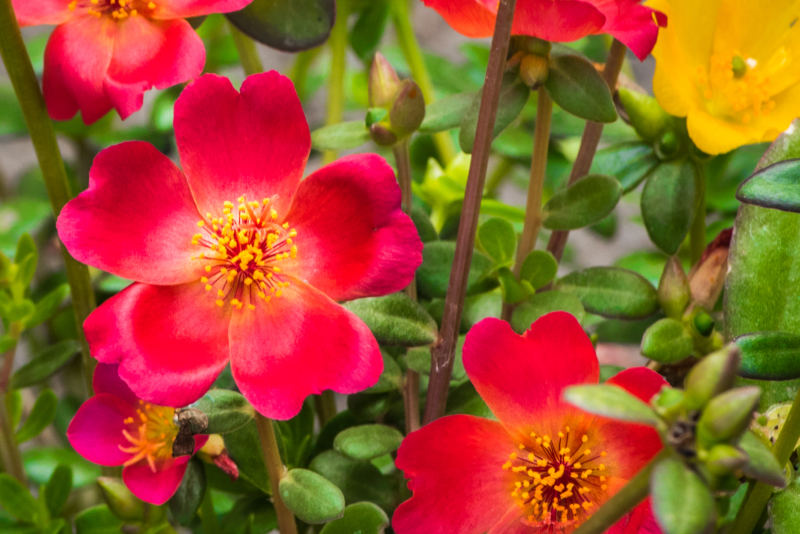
column 401, row 16
column 9, row 448
column 299, row 72
column 443, row 351
column 248, row 51
column 43, row 136
column 757, row 499
column 325, row 404
column 5, row 193
column 533, row 208
column 276, row 470
column 338, row 42
column 697, row 234
column 591, row 137
column 208, row 516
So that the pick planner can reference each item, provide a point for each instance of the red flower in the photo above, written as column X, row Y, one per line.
column 546, row 465
column 560, row 20
column 116, row 428
column 106, row 53
column 237, row 259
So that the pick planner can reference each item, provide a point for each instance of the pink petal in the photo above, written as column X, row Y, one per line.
column 182, row 9
column 96, row 430
column 171, row 341
column 468, row 17
column 454, row 467
column 155, row 488
column 35, row 12
column 642, row 382
column 353, row 240
column 639, row 521
column 151, row 53
column 557, row 20
column 632, row 23
column 106, row 380
column 137, row 218
column 255, row 143
column 299, row 344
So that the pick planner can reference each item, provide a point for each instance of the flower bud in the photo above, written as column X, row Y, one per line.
column 120, row 500
column 714, row 374
column 668, row 146
column 707, row 277
column 408, row 110
column 703, row 322
column 668, row 402
column 727, row 415
column 535, row 46
column 723, row 459
column 383, row 83
column 534, row 70
column 673, row 289
column 644, row 114
column 382, row 135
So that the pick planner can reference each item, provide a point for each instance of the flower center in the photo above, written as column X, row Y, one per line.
column 117, row 9
column 557, row 480
column 153, row 435
column 243, row 248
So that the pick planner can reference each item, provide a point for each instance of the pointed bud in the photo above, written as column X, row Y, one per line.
column 673, row 289
column 120, row 500
column 214, row 452
column 703, row 322
column 408, row 110
column 644, row 114
column 668, row 403
column 707, row 277
column 534, row 70
column 727, row 415
column 383, row 83
column 714, row 374
column 723, row 459
column 382, row 135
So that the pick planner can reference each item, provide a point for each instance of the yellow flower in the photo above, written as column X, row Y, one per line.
column 729, row 67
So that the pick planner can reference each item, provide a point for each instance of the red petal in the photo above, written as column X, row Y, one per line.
column 35, row 12
column 155, row 488
column 521, row 377
column 299, row 344
column 75, row 62
column 557, row 20
column 151, row 53
column 171, row 341
column 468, row 17
column 639, row 521
column 353, row 240
column 254, row 143
column 639, row 381
column 137, row 218
column 632, row 23
column 454, row 467
column 182, row 9
column 96, row 430
column 106, row 380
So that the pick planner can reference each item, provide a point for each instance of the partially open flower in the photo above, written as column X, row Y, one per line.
column 116, row 428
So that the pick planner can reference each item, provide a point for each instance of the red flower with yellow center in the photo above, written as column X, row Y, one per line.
column 116, row 428
column 105, row 54
column 237, row 259
column 545, row 466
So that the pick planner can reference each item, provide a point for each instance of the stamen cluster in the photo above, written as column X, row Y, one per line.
column 117, row 9
column 156, row 432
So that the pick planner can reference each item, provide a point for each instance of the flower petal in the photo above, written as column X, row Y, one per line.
column 299, row 344
column 151, row 53
column 106, row 380
column 171, row 341
column 557, row 20
column 632, row 23
column 638, row 521
column 75, row 62
column 137, row 218
column 33, row 13
column 155, row 488
column 182, row 9
column 642, row 382
column 353, row 240
column 454, row 467
column 96, row 430
column 468, row 17
column 255, row 143
column 714, row 135
column 521, row 377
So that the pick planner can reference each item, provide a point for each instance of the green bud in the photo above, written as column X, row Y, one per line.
column 383, row 83
column 534, row 70
column 667, row 341
column 120, row 500
column 674, row 294
column 536, row 46
column 703, row 322
column 723, row 459
column 382, row 135
column 727, row 415
column 668, row 145
column 408, row 110
column 375, row 115
column 644, row 114
column 311, row 497
column 668, row 402
column 714, row 374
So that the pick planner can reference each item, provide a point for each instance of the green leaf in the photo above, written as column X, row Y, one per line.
column 288, row 26
column 12, row 121
column 613, row 402
column 465, row 400
column 498, row 239
column 57, row 489
column 575, row 85
column 784, row 510
column 47, row 306
column 447, row 113
column 359, row 518
column 630, row 163
column 17, row 500
column 391, row 378
column 762, row 464
column 396, row 320
column 41, row 462
column 359, row 481
column 681, row 501
column 26, row 246
column 367, row 442
column 541, row 304
column 42, row 414
column 97, row 520
column 252, row 514
column 667, row 341
column 770, row 355
column 513, row 290
column 612, row 292
column 244, row 448
column 586, row 202
column 45, row 364
column 668, row 204
column 514, row 95
column 342, row 136
column 368, row 30
column 433, row 276
column 727, row 415
column 776, row 187
column 338, row 422
column 539, row 268
column 120, row 500
column 187, row 500
column 425, row 227
column 227, row 410
column 311, row 497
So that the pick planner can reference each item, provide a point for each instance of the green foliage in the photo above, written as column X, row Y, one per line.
column 311, row 497
column 42, row 414
column 773, row 187
column 667, row 341
column 341, row 136
column 433, row 276
column 574, row 84
column 543, row 303
column 586, row 202
column 611, row 292
column 784, row 511
column 45, row 364
column 227, row 411
column 611, row 401
column 682, row 503
column 668, row 204
column 514, row 95
column 186, row 501
column 396, row 320
column 367, row 442
column 288, row 26
column 770, row 355
column 363, row 517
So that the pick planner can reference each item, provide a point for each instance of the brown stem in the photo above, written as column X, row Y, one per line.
column 591, row 137
column 443, row 351
column 276, row 470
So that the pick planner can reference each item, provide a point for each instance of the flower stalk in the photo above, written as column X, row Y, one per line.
column 248, row 51
column 443, row 351
column 26, row 86
column 697, row 233
column 276, row 470
column 10, row 457
column 338, row 43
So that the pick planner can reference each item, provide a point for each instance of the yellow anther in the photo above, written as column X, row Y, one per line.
column 208, row 287
column 585, row 439
column 220, row 303
column 208, row 268
column 201, row 224
column 603, row 487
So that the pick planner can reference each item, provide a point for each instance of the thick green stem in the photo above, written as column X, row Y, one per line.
column 299, row 72
column 697, row 235
column 9, row 448
column 276, row 470
column 753, row 506
column 401, row 16
column 26, row 87
column 208, row 516
column 248, row 51
column 338, row 43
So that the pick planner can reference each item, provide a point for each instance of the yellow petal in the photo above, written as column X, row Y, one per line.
column 714, row 136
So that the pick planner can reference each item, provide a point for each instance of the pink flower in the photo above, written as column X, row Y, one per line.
column 238, row 260
column 545, row 466
column 116, row 428
column 106, row 53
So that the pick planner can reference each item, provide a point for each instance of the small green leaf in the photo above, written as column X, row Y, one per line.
column 396, row 320
column 425, row 227
column 26, row 246
column 311, row 497
column 543, row 303
column 120, row 500
column 586, row 202
column 667, row 341
column 366, row 442
column 97, row 520
column 288, row 26
column 45, row 364
column 668, row 204
column 42, row 414
column 682, row 503
column 539, row 268
column 630, row 163
column 244, row 448
column 447, row 113
column 612, row 292
column 784, row 510
column 359, row 481
column 359, row 518
column 613, row 402
column 391, row 378
column 776, row 187
column 513, row 290
column 433, row 276
column 186, row 501
column 47, row 306
column 761, row 465
column 465, row 400
column 41, row 462
column 342, row 136
column 57, row 489
column 727, row 415
column 498, row 239
column 17, row 500
column 368, row 30
column 227, row 410
column 575, row 85
column 514, row 95
column 770, row 355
